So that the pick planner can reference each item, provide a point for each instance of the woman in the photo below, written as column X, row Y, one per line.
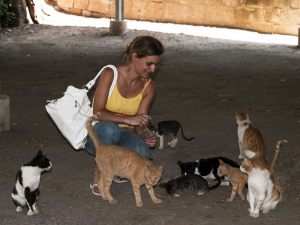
column 126, row 111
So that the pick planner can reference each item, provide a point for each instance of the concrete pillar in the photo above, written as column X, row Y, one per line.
column 4, row 113
column 299, row 37
column 118, row 26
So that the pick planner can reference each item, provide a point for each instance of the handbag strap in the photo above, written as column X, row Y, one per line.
column 91, row 83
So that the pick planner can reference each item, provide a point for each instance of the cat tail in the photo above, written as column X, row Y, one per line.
column 91, row 132
column 184, row 137
column 215, row 185
column 276, row 154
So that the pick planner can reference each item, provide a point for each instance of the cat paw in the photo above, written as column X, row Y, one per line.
column 139, row 204
column 201, row 192
column 36, row 211
column 254, row 214
column 113, row 201
column 157, row 200
column 30, row 213
column 265, row 211
column 229, row 200
column 19, row 209
column 104, row 197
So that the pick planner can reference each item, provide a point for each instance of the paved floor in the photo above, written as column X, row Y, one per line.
column 201, row 82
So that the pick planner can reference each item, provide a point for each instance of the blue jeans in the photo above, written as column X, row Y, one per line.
column 110, row 133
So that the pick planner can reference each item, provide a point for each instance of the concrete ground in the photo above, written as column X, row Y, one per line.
column 201, row 82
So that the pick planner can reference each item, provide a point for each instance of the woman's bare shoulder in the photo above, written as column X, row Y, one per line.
column 107, row 72
column 151, row 88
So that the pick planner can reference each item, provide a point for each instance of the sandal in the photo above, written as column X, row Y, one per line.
column 95, row 189
column 120, row 179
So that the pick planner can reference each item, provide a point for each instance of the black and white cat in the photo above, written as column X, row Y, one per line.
column 207, row 168
column 192, row 182
column 167, row 127
column 26, row 190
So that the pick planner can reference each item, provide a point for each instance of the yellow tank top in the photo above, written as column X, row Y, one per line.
column 128, row 106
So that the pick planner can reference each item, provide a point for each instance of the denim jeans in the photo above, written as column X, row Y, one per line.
column 110, row 133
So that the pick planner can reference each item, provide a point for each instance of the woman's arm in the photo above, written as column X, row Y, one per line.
column 102, row 89
column 144, row 109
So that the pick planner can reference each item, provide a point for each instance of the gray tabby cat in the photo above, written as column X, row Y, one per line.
column 192, row 182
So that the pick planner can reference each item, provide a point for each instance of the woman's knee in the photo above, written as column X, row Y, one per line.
column 107, row 131
column 145, row 151
column 131, row 140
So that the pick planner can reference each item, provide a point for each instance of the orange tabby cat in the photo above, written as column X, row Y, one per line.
column 113, row 160
column 251, row 142
column 237, row 179
column 264, row 192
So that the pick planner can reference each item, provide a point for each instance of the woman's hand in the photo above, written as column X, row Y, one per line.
column 150, row 138
column 138, row 120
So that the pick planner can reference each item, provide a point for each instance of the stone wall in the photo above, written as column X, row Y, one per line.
column 266, row 16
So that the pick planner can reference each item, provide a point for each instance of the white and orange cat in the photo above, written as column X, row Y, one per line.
column 237, row 179
column 251, row 142
column 264, row 192
column 113, row 160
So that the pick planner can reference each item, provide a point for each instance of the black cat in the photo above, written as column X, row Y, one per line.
column 192, row 182
column 166, row 127
column 26, row 190
column 207, row 168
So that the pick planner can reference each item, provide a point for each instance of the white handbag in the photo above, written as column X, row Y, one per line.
column 71, row 111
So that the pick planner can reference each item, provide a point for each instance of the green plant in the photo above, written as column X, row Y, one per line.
column 8, row 13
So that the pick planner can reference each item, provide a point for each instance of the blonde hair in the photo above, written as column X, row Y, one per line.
column 143, row 46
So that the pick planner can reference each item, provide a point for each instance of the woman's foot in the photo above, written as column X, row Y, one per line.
column 95, row 189
column 120, row 180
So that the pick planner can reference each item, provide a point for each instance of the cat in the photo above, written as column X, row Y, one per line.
column 251, row 142
column 113, row 160
column 166, row 127
column 26, row 189
column 207, row 168
column 264, row 193
column 192, row 182
column 237, row 179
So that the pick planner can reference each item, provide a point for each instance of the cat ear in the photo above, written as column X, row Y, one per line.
column 248, row 109
column 39, row 153
column 247, row 161
column 202, row 161
column 179, row 163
